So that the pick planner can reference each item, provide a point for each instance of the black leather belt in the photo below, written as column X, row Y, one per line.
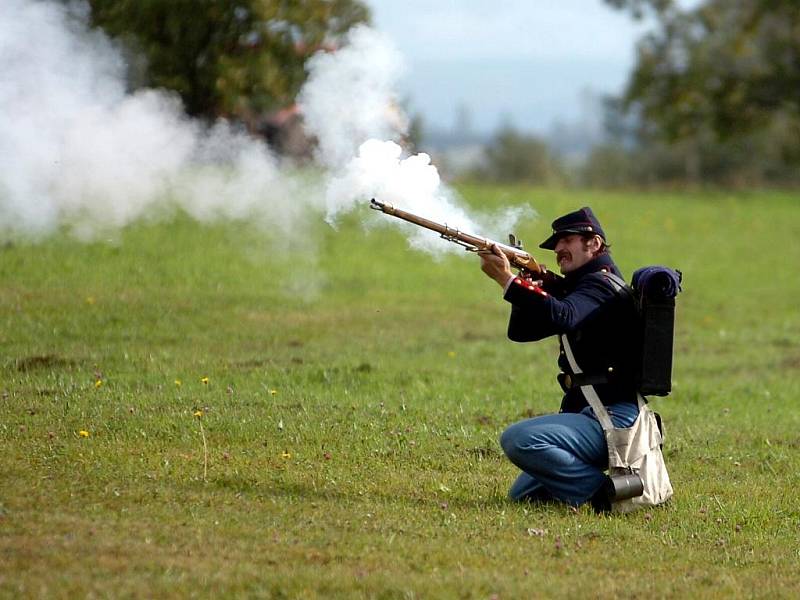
column 569, row 380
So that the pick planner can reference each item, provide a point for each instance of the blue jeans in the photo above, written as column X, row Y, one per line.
column 562, row 456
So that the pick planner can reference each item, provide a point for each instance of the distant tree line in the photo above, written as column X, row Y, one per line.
column 516, row 156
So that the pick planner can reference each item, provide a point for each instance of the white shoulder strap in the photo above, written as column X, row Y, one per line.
column 588, row 391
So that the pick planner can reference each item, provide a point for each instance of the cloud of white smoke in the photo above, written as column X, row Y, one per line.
column 411, row 183
column 79, row 152
column 350, row 96
column 350, row 105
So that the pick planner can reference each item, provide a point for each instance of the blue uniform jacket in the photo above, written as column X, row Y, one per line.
column 600, row 322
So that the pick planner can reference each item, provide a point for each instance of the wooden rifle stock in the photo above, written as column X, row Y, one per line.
column 527, row 265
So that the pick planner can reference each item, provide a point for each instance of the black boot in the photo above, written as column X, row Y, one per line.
column 601, row 501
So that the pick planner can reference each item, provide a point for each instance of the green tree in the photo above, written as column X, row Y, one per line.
column 228, row 57
column 716, row 88
column 639, row 8
column 728, row 67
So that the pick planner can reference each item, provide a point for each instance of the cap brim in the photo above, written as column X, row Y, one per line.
column 550, row 243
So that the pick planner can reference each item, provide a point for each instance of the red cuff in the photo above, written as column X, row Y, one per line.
column 529, row 286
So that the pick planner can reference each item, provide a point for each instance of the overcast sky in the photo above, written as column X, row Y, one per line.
column 524, row 61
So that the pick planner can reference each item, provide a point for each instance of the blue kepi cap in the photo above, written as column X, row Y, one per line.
column 580, row 221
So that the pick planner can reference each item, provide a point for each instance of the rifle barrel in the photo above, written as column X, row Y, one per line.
column 518, row 258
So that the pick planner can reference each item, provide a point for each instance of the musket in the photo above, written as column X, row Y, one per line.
column 527, row 265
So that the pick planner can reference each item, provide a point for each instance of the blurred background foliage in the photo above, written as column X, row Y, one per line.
column 714, row 94
column 516, row 156
column 713, row 98
column 233, row 58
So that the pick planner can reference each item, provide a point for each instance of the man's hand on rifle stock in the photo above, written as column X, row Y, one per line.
column 495, row 264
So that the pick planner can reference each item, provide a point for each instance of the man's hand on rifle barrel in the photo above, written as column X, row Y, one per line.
column 495, row 264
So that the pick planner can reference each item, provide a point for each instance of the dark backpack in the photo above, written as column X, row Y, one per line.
column 653, row 290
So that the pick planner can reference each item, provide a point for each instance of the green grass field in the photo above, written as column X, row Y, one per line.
column 194, row 411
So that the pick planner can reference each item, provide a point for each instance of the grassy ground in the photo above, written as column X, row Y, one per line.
column 191, row 411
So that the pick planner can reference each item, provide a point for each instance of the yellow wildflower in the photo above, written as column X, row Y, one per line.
column 198, row 413
column 273, row 392
column 98, row 383
column 90, row 300
column 178, row 383
column 204, row 380
column 286, row 455
column 451, row 354
column 83, row 433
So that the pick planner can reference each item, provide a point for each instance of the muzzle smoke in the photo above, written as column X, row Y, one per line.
column 361, row 147
column 78, row 152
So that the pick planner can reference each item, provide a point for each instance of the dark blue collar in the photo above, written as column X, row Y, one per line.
column 598, row 263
